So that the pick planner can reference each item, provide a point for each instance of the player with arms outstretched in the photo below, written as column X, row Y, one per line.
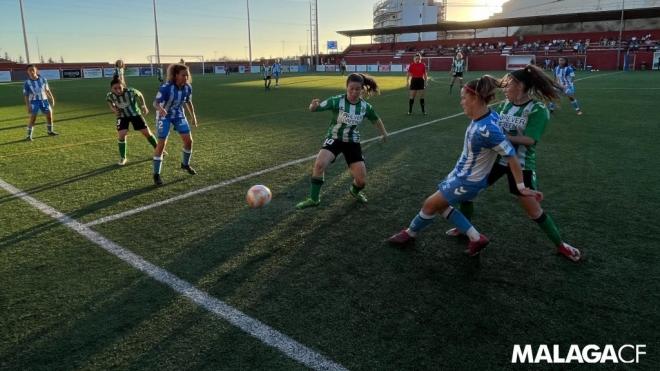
column 129, row 106
column 349, row 110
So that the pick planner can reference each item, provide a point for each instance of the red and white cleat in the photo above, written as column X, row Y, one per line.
column 401, row 238
column 569, row 252
column 454, row 232
column 474, row 247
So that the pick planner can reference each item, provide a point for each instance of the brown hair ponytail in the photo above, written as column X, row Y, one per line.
column 368, row 83
column 537, row 84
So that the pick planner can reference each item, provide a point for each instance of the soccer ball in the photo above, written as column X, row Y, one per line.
column 258, row 196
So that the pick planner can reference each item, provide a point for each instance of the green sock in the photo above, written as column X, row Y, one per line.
column 467, row 209
column 152, row 140
column 315, row 189
column 548, row 226
column 122, row 148
column 355, row 189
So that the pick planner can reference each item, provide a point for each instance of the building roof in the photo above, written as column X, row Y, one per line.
column 610, row 15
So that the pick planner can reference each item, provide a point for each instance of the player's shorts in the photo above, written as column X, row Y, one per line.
column 456, row 190
column 267, row 77
column 39, row 105
column 137, row 121
column 352, row 151
column 417, row 83
column 457, row 74
column 277, row 75
column 570, row 91
column 499, row 170
column 180, row 125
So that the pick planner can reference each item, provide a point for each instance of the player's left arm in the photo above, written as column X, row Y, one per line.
column 191, row 109
column 50, row 96
column 377, row 121
column 496, row 140
column 381, row 129
column 143, row 103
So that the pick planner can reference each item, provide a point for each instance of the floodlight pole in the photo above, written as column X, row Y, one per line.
column 247, row 3
column 27, row 52
column 618, row 49
column 156, row 29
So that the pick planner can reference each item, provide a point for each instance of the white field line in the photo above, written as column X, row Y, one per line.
column 265, row 171
column 254, row 327
column 243, row 177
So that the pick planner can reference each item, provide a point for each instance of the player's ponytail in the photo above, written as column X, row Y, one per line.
column 369, row 84
column 484, row 87
column 537, row 84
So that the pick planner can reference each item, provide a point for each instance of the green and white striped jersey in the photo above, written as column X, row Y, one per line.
column 127, row 103
column 458, row 65
column 528, row 119
column 347, row 117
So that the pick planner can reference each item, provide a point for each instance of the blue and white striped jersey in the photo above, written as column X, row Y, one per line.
column 173, row 99
column 277, row 68
column 484, row 141
column 565, row 75
column 36, row 89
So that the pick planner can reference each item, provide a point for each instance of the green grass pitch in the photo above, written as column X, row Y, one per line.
column 324, row 276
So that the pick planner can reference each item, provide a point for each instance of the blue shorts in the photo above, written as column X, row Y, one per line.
column 39, row 105
column 456, row 190
column 180, row 125
column 276, row 74
column 570, row 91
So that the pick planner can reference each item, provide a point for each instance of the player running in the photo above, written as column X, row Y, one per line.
column 37, row 94
column 484, row 141
column 565, row 77
column 129, row 106
column 349, row 110
column 170, row 101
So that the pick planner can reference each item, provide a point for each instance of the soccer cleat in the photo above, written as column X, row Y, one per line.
column 409, row 113
column 360, row 196
column 53, row 133
column 28, row 139
column 579, row 113
column 307, row 203
column 158, row 180
column 401, row 238
column 569, row 252
column 474, row 247
column 122, row 162
column 425, row 113
column 454, row 232
column 190, row 170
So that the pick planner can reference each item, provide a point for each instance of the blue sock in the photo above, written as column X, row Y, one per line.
column 575, row 105
column 419, row 222
column 186, row 156
column 459, row 220
column 29, row 131
column 158, row 164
